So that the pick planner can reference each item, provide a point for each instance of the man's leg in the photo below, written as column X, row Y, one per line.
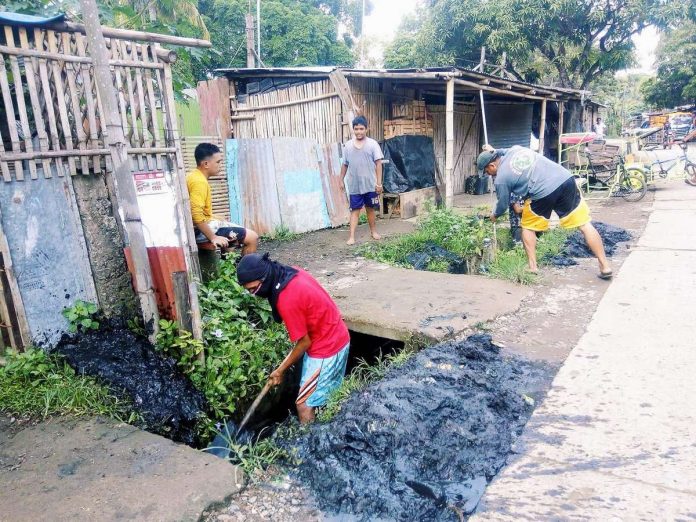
column 251, row 242
column 354, row 218
column 594, row 241
column 305, row 413
column 529, row 240
column 372, row 221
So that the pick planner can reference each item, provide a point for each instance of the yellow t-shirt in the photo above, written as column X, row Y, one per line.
column 200, row 197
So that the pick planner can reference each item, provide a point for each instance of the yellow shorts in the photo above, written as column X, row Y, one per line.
column 566, row 201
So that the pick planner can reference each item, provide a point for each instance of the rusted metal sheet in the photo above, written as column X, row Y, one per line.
column 334, row 194
column 251, row 174
column 164, row 261
column 300, row 192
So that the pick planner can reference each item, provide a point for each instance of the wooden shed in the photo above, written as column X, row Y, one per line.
column 256, row 109
column 63, row 216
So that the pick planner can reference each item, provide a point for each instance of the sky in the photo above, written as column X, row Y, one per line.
column 382, row 24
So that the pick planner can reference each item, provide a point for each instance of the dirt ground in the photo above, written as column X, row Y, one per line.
column 546, row 327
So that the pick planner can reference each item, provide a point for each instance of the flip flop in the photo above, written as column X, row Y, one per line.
column 605, row 275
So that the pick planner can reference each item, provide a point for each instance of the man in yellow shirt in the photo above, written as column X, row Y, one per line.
column 222, row 234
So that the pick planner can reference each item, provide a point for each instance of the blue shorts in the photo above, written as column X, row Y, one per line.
column 369, row 200
column 320, row 377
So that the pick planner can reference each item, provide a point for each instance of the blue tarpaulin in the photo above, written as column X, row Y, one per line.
column 7, row 18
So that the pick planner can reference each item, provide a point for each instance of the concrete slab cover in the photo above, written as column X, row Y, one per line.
column 430, row 304
column 42, row 225
column 614, row 439
column 96, row 469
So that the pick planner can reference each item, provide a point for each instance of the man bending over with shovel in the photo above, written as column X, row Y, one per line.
column 546, row 187
column 313, row 322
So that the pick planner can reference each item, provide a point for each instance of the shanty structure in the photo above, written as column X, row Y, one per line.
column 63, row 220
column 275, row 120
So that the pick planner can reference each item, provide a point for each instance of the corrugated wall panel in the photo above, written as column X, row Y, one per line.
column 509, row 124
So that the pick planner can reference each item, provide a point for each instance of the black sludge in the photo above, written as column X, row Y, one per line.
column 575, row 245
column 423, row 442
column 167, row 400
column 433, row 252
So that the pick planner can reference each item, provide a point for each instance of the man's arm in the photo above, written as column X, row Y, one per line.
column 344, row 171
column 502, row 192
column 301, row 346
column 378, row 170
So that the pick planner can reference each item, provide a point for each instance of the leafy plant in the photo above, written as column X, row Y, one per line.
column 82, row 316
column 241, row 342
column 282, row 233
column 34, row 383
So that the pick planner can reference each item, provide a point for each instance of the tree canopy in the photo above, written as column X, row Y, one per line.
column 675, row 83
column 566, row 42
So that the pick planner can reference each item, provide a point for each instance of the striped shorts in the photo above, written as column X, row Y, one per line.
column 320, row 377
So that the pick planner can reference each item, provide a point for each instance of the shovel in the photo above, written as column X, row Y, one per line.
column 252, row 408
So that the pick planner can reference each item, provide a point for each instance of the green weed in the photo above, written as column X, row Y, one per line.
column 36, row 384
column 82, row 316
column 362, row 219
column 282, row 233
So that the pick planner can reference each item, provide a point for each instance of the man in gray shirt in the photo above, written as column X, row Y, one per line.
column 546, row 186
column 362, row 163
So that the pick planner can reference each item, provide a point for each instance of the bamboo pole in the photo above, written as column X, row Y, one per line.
column 157, row 142
column 288, row 103
column 542, row 127
column 22, row 324
column 449, row 144
column 128, row 34
column 561, row 109
column 60, row 95
column 76, row 109
column 11, row 119
column 80, row 153
column 86, row 76
column 31, row 53
column 125, row 198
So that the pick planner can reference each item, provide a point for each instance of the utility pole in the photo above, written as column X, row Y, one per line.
column 125, row 196
column 258, row 31
column 250, row 62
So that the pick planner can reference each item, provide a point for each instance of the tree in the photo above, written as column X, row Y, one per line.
column 622, row 97
column 293, row 33
column 567, row 42
column 675, row 83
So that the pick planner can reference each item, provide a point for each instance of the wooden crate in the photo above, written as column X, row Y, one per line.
column 423, row 127
column 413, row 109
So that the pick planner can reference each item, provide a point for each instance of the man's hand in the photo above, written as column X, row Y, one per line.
column 379, row 189
column 220, row 241
column 493, row 218
column 276, row 377
column 488, row 148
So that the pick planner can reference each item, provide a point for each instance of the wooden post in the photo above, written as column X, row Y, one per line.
column 182, row 303
column 449, row 145
column 561, row 108
column 125, row 197
column 542, row 126
column 251, row 62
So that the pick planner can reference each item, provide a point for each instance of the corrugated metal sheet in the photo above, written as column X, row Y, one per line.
column 300, row 191
column 334, row 195
column 509, row 124
column 255, row 179
column 218, row 184
column 43, row 229
column 164, row 261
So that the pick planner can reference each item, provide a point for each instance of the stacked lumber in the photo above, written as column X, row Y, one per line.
column 410, row 118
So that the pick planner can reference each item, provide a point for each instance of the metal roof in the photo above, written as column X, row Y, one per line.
column 466, row 78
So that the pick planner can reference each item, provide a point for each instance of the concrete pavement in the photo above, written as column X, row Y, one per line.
column 615, row 439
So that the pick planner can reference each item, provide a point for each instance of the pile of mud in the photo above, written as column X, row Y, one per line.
column 575, row 245
column 420, row 259
column 129, row 364
column 423, row 442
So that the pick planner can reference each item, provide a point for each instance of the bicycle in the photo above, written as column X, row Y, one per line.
column 614, row 180
column 689, row 167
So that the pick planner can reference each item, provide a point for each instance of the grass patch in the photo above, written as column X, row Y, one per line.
column 512, row 264
column 362, row 218
column 37, row 384
column 360, row 378
column 282, row 234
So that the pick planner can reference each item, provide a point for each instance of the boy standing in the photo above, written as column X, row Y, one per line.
column 362, row 162
column 208, row 229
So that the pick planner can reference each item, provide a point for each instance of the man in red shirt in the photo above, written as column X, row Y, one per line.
column 313, row 322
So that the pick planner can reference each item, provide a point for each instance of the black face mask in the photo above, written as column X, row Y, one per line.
column 274, row 277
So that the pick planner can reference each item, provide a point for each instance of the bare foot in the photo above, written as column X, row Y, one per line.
column 376, row 236
column 350, row 241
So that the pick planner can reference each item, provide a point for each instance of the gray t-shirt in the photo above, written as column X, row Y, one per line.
column 526, row 173
column 361, row 177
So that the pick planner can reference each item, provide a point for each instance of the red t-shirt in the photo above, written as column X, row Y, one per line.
column 307, row 309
